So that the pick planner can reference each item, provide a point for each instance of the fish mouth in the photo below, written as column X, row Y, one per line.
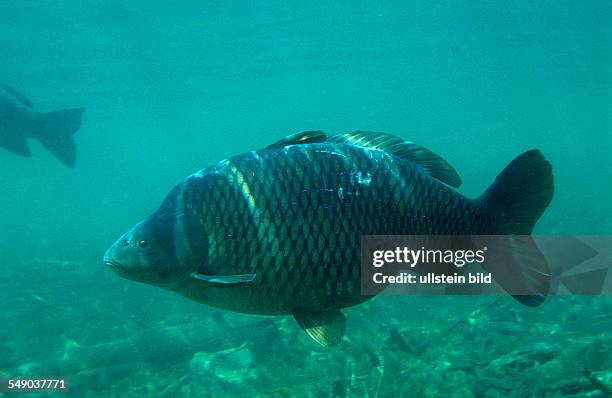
column 115, row 266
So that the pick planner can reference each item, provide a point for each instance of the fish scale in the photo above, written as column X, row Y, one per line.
column 278, row 230
column 257, row 192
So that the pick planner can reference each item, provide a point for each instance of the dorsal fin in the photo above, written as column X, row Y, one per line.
column 304, row 137
column 19, row 97
column 433, row 164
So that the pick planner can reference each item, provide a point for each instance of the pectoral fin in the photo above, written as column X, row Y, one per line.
column 225, row 280
column 326, row 327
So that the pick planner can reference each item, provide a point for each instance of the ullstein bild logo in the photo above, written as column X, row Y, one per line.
column 486, row 264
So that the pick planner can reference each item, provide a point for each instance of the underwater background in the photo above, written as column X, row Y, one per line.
column 172, row 87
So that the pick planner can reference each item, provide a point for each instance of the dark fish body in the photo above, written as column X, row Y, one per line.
column 294, row 217
column 277, row 231
column 19, row 121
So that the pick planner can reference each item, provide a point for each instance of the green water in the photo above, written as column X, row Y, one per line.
column 171, row 88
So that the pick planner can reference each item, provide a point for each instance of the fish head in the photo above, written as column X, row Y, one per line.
column 157, row 251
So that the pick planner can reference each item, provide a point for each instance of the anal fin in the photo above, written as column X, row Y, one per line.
column 325, row 327
column 16, row 144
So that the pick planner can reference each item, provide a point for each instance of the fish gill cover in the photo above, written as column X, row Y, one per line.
column 171, row 89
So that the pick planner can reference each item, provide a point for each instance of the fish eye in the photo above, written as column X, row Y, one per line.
column 142, row 243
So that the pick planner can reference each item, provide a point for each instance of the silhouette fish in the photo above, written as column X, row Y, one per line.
column 19, row 121
column 277, row 231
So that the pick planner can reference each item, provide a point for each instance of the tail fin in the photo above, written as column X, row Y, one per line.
column 514, row 203
column 55, row 130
